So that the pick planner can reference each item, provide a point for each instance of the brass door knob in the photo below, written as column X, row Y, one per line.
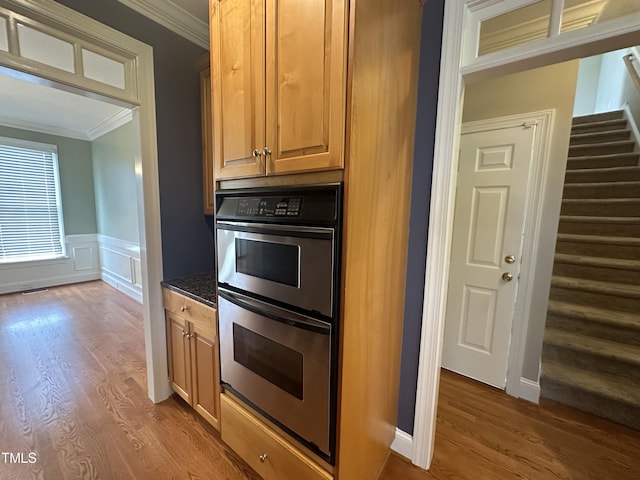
column 509, row 259
column 507, row 276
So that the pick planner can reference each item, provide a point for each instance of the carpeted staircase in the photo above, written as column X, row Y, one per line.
column 591, row 351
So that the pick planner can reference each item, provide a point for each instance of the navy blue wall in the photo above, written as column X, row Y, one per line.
column 431, row 41
column 187, row 239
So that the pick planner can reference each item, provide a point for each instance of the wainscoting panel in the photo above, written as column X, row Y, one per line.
column 120, row 265
column 81, row 264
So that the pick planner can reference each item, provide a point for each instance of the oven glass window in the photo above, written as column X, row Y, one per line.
column 274, row 362
column 277, row 262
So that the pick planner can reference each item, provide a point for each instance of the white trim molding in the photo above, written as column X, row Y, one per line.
column 104, row 127
column 173, row 17
column 120, row 265
column 633, row 126
column 529, row 390
column 403, row 444
column 81, row 264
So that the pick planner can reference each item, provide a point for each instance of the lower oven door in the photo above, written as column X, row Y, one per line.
column 279, row 362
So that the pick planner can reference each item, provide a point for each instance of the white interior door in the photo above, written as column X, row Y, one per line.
column 486, row 251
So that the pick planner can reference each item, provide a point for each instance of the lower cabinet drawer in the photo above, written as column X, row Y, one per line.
column 272, row 457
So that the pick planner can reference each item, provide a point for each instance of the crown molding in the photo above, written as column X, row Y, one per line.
column 90, row 134
column 173, row 17
column 116, row 120
column 42, row 128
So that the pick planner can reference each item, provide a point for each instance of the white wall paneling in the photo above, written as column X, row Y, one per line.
column 120, row 265
column 80, row 265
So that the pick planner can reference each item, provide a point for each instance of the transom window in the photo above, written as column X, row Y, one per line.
column 31, row 226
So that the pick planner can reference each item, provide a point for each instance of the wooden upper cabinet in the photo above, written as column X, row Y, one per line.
column 237, row 84
column 280, row 80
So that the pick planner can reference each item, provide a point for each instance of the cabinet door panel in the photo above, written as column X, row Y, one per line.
column 306, row 84
column 179, row 356
column 237, row 79
column 206, row 376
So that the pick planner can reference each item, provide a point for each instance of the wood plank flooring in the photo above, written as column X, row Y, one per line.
column 73, row 395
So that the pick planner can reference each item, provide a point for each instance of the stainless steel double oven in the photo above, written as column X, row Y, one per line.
column 278, row 257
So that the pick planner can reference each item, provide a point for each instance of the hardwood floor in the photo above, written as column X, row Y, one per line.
column 73, row 402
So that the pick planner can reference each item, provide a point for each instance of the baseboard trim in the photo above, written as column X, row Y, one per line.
column 124, row 286
column 403, row 444
column 48, row 282
column 529, row 390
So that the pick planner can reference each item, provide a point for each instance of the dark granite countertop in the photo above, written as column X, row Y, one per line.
column 199, row 286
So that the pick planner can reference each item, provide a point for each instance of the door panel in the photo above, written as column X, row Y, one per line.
column 237, row 82
column 488, row 226
column 305, row 84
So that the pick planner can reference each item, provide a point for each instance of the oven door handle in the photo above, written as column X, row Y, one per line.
column 277, row 229
column 274, row 313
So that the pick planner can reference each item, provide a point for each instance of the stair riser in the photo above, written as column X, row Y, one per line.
column 582, row 163
column 602, row 208
column 600, row 274
column 604, row 229
column 588, row 402
column 593, row 299
column 600, row 149
column 599, row 137
column 598, row 117
column 597, row 127
column 621, row 190
column 630, row 336
column 591, row 362
column 632, row 175
column 628, row 252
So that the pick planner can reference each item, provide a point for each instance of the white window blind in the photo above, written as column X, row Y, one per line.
column 31, row 225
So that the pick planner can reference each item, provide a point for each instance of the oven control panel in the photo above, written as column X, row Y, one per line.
column 269, row 207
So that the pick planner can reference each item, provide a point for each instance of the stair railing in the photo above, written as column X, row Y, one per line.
column 629, row 61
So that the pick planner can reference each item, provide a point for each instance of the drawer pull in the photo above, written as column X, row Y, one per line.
column 263, row 457
column 184, row 308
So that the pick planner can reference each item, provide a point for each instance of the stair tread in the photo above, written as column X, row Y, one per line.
column 595, row 346
column 604, row 157
column 597, row 117
column 601, row 200
column 629, row 183
column 608, row 288
column 605, row 385
column 599, row 219
column 600, row 134
column 594, row 171
column 600, row 239
column 603, row 123
column 593, row 261
column 595, row 314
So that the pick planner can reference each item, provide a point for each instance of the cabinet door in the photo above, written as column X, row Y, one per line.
column 179, row 355
column 306, row 84
column 237, row 80
column 206, row 374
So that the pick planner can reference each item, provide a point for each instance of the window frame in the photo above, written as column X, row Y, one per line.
column 53, row 150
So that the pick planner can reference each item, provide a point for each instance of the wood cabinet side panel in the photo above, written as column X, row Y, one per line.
column 385, row 40
column 207, row 142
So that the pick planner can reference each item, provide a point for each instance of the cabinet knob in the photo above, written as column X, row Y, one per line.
column 263, row 457
column 184, row 308
column 257, row 153
column 266, row 151
column 184, row 334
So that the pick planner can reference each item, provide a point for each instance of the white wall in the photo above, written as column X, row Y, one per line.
column 601, row 83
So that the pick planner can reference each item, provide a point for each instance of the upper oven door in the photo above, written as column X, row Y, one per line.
column 289, row 264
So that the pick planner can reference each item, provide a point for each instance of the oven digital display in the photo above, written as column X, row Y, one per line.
column 269, row 207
